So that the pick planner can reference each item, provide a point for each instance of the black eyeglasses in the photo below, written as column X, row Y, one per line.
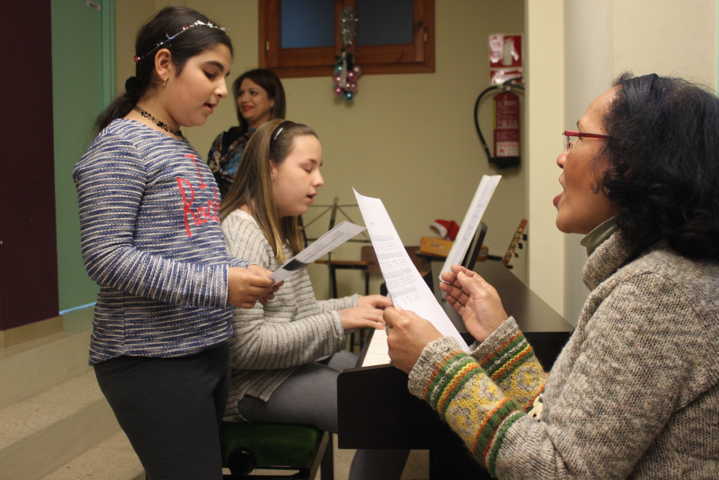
column 569, row 135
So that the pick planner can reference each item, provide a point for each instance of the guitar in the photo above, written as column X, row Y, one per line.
column 517, row 242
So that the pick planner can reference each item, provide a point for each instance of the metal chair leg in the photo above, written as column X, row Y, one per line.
column 328, row 461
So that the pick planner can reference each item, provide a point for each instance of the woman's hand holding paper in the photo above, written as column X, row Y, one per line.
column 407, row 335
column 475, row 300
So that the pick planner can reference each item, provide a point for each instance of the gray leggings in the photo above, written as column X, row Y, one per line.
column 309, row 396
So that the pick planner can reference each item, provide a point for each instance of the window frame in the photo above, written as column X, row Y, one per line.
column 417, row 56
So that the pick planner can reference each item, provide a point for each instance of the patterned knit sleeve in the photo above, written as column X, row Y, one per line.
column 510, row 362
column 465, row 396
column 616, row 398
column 110, row 180
column 270, row 336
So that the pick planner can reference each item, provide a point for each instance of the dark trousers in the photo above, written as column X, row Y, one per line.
column 170, row 409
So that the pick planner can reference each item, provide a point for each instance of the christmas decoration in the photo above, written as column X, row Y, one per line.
column 447, row 229
column 346, row 72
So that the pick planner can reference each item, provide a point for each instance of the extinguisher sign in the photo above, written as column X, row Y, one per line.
column 505, row 58
column 505, row 51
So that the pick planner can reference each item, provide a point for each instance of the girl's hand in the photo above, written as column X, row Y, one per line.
column 275, row 287
column 475, row 300
column 359, row 317
column 407, row 335
column 375, row 301
column 247, row 285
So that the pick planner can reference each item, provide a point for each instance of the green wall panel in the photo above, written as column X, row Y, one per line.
column 83, row 78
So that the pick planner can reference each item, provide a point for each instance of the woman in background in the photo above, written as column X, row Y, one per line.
column 259, row 97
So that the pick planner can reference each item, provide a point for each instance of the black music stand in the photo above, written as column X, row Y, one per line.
column 333, row 265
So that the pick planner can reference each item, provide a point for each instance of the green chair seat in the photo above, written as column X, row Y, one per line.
column 273, row 446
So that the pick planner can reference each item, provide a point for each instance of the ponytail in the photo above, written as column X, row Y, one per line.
column 122, row 105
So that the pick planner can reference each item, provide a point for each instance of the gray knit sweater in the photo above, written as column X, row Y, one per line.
column 292, row 329
column 634, row 394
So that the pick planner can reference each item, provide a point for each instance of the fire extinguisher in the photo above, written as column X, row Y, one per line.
column 506, row 124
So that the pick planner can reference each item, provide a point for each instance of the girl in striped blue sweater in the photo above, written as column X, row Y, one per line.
column 151, row 239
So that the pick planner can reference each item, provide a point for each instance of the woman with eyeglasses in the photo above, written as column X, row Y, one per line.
column 635, row 392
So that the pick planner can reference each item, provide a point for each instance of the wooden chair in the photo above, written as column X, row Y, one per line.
column 249, row 446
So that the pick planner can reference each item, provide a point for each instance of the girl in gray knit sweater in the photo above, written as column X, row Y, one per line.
column 635, row 392
column 286, row 355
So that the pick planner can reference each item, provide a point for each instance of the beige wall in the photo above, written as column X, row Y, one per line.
column 408, row 139
column 642, row 36
column 545, row 112
column 586, row 77
column 599, row 39
column 664, row 36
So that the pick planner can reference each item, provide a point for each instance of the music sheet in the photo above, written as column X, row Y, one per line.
column 404, row 283
column 326, row 243
column 377, row 353
column 474, row 214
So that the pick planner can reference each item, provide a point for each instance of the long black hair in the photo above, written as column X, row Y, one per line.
column 663, row 149
column 168, row 21
column 268, row 80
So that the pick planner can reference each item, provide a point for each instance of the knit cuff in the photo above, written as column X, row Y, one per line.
column 339, row 329
column 428, row 365
column 354, row 299
column 503, row 351
column 505, row 330
column 236, row 262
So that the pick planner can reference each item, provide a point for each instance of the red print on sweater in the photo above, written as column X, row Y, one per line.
column 197, row 214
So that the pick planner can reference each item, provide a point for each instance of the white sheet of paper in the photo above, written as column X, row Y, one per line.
column 474, row 214
column 377, row 353
column 330, row 240
column 404, row 283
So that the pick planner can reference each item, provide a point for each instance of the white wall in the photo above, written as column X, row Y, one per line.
column 545, row 119
column 601, row 40
column 588, row 60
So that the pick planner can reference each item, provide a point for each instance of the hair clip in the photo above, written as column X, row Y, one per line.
column 277, row 133
column 169, row 38
column 279, row 129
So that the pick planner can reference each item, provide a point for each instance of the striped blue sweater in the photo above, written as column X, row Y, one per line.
column 151, row 239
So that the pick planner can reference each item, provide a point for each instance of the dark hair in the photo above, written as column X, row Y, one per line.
column 168, row 21
column 268, row 80
column 252, row 185
column 663, row 152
